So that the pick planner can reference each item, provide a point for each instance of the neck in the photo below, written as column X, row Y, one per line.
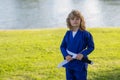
column 75, row 28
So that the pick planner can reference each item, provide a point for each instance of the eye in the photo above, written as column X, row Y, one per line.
column 72, row 18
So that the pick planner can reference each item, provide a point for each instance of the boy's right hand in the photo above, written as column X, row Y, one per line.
column 68, row 58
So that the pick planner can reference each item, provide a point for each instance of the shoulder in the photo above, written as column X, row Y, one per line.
column 67, row 32
column 87, row 33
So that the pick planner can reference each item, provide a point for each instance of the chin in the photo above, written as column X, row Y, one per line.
column 75, row 25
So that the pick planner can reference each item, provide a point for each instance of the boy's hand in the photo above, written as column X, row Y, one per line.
column 79, row 56
column 68, row 58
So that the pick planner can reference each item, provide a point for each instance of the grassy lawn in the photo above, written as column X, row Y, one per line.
column 35, row 54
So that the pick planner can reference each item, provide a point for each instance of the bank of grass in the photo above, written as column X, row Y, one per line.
column 34, row 54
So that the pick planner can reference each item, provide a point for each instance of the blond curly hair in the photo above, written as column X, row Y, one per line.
column 75, row 13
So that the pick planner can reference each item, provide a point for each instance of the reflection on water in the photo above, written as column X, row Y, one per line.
column 26, row 14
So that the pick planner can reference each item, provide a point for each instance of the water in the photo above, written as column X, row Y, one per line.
column 29, row 14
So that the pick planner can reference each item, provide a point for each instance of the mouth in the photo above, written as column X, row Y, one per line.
column 75, row 23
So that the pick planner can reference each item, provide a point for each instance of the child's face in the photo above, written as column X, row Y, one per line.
column 75, row 21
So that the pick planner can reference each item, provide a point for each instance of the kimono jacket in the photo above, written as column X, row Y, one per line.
column 81, row 43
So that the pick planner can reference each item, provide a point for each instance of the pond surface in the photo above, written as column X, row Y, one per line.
column 33, row 14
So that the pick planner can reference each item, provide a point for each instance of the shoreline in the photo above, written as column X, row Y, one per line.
column 54, row 28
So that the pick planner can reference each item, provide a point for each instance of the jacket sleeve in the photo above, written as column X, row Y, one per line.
column 90, row 45
column 63, row 46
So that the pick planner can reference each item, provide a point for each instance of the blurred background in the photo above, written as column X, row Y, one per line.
column 36, row 14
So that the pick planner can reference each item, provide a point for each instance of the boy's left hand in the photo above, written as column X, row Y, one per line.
column 79, row 56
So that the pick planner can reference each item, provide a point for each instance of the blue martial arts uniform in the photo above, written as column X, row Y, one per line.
column 81, row 43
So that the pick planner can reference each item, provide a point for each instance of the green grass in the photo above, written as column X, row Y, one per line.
column 35, row 54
